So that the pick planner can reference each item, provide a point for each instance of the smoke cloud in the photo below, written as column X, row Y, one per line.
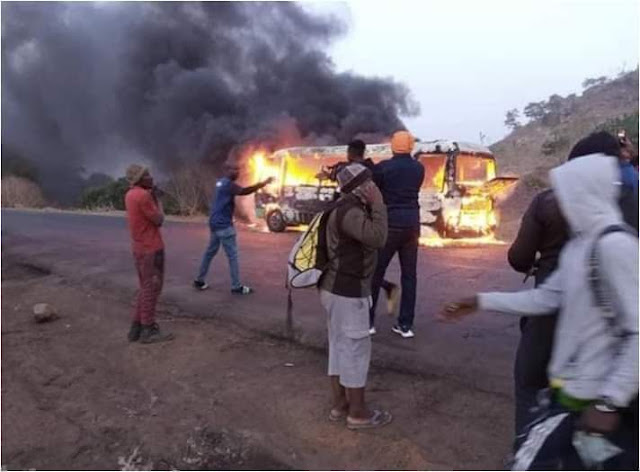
column 95, row 85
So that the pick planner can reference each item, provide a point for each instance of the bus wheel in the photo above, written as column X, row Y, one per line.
column 275, row 221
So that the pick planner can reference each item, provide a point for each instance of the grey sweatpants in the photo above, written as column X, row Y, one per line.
column 349, row 340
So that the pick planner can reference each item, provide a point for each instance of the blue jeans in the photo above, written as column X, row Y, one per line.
column 226, row 237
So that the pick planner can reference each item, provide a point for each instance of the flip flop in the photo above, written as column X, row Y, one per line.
column 378, row 419
column 336, row 416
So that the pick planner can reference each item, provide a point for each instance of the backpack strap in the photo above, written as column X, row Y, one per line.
column 601, row 296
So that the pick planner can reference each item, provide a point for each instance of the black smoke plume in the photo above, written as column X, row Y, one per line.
column 175, row 83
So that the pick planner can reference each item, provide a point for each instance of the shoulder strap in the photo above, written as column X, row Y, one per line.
column 601, row 297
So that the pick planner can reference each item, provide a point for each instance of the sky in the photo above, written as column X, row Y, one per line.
column 468, row 62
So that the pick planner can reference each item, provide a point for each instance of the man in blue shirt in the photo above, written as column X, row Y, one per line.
column 400, row 179
column 629, row 178
column 222, row 230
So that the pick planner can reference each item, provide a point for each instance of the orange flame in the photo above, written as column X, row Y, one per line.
column 438, row 242
column 472, row 214
column 291, row 171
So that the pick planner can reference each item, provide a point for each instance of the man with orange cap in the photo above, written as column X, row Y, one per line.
column 399, row 179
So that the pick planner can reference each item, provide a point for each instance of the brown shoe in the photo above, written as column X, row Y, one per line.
column 153, row 334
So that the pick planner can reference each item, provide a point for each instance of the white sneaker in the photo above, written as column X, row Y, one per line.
column 200, row 285
column 404, row 333
column 372, row 331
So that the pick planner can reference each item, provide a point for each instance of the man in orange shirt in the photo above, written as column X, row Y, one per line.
column 145, row 216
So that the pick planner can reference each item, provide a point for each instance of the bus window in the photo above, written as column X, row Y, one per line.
column 304, row 170
column 433, row 171
column 474, row 170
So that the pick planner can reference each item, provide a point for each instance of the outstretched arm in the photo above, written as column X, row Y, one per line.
column 542, row 300
column 237, row 190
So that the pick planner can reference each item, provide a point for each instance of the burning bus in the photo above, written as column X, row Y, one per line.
column 460, row 188
column 300, row 188
column 457, row 197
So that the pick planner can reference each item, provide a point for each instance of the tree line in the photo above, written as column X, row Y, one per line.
column 550, row 112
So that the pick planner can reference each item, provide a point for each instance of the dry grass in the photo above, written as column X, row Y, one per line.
column 521, row 151
column 18, row 192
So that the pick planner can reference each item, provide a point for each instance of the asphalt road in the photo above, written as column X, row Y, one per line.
column 95, row 250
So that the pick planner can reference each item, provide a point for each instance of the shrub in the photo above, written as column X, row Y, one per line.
column 109, row 196
column 555, row 145
column 536, row 180
column 185, row 192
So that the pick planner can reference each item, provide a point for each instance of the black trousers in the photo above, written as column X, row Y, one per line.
column 403, row 241
column 547, row 443
column 530, row 368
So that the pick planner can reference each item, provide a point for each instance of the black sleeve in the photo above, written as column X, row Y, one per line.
column 237, row 190
column 378, row 175
column 629, row 206
column 522, row 253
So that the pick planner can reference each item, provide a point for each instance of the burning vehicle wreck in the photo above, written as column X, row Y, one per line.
column 457, row 198
column 301, row 186
column 460, row 188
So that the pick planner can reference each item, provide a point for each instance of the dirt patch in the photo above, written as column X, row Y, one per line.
column 13, row 269
column 77, row 395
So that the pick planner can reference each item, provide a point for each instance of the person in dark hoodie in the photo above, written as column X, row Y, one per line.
column 594, row 363
column 399, row 179
column 544, row 232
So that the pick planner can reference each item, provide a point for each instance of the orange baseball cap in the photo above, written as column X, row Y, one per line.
column 402, row 142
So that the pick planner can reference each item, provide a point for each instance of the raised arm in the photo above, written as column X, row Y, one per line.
column 369, row 230
column 152, row 209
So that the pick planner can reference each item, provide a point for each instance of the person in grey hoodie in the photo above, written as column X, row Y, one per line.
column 594, row 363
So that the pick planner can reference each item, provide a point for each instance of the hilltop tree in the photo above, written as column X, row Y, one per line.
column 535, row 110
column 554, row 104
column 571, row 104
column 588, row 83
column 512, row 119
column 554, row 110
